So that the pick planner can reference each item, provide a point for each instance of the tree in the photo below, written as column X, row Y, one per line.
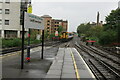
column 60, row 29
column 107, row 37
column 108, row 33
column 113, row 23
column 112, row 20
column 83, row 28
column 46, row 35
column 94, row 31
column 33, row 34
column 52, row 35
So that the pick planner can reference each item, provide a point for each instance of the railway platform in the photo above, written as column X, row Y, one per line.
column 68, row 64
column 58, row 64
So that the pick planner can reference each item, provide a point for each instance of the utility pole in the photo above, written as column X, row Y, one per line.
column 42, row 44
column 22, row 55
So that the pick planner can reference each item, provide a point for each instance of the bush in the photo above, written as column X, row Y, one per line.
column 11, row 42
column 35, row 42
column 16, row 42
column 107, row 37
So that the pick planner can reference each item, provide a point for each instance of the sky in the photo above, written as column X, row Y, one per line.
column 75, row 11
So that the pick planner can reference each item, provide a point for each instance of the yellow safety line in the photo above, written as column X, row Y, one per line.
column 86, row 65
column 11, row 54
column 75, row 66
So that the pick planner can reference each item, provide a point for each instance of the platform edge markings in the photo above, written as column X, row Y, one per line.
column 85, row 64
column 75, row 66
column 10, row 54
column 15, row 53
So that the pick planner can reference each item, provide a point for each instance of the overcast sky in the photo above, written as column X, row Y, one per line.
column 75, row 11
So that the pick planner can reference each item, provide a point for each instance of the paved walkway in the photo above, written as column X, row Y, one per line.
column 58, row 64
column 69, row 65
column 63, row 66
column 35, row 70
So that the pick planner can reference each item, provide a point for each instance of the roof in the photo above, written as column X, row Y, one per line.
column 46, row 16
column 56, row 20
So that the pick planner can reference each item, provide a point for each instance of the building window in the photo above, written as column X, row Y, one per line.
column 7, row 11
column 7, row 1
column 6, row 22
column 0, row 11
column 48, row 21
column 0, row 21
column 48, row 24
column 48, row 31
column 10, row 34
column 48, row 28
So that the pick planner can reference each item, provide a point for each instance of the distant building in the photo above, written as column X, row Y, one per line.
column 51, row 25
column 47, row 23
column 65, row 25
column 93, row 24
column 99, row 23
column 98, row 15
column 11, row 18
column 56, row 23
column 119, row 4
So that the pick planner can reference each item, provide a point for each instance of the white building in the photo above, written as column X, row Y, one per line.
column 119, row 4
column 10, row 19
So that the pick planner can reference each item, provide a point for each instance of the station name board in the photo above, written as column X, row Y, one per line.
column 34, row 22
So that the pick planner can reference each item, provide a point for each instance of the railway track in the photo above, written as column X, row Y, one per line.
column 5, row 51
column 110, row 51
column 103, row 67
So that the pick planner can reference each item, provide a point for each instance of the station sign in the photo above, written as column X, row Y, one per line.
column 56, row 33
column 91, row 41
column 32, row 21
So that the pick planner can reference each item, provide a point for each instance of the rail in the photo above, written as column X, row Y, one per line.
column 111, row 69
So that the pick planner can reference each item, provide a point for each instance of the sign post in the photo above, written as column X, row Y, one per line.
column 30, row 21
column 29, row 10
column 42, row 44
column 35, row 22
column 22, row 55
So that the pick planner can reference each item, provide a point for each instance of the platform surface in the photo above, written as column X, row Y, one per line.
column 68, row 64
